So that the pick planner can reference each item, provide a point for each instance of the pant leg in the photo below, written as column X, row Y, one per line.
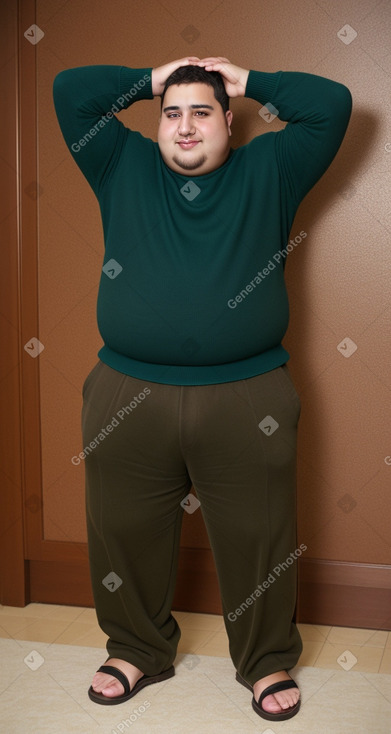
column 245, row 479
column 135, row 481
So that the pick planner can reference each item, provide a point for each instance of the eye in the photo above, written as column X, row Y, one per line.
column 197, row 112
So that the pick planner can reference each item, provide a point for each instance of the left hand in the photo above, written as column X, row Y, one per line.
column 234, row 77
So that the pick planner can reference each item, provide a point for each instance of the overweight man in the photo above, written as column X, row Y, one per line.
column 191, row 387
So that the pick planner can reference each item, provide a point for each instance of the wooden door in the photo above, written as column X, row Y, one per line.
column 52, row 341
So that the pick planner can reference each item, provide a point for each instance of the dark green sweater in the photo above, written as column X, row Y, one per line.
column 192, row 289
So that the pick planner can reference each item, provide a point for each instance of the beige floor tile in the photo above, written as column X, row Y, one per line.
column 313, row 632
column 202, row 634
column 30, row 610
column 216, row 646
column 88, row 615
column 16, row 611
column 93, row 638
column 311, row 651
column 202, row 697
column 378, row 638
column 356, row 636
column 72, row 633
column 192, row 639
column 368, row 658
column 14, row 625
column 64, row 613
column 42, row 630
column 385, row 665
column 208, row 622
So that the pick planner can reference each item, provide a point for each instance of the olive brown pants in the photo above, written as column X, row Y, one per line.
column 145, row 445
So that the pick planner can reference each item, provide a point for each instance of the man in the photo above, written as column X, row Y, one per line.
column 192, row 382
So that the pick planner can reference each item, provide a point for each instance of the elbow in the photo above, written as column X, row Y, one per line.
column 62, row 81
column 345, row 99
column 342, row 106
column 58, row 82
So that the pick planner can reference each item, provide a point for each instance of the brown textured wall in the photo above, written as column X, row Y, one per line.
column 338, row 278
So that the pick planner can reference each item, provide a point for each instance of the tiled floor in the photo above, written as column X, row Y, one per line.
column 49, row 654
column 203, row 634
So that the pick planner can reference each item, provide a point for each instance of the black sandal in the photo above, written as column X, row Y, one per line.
column 274, row 688
column 146, row 680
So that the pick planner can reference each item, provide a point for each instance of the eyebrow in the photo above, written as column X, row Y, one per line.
column 192, row 106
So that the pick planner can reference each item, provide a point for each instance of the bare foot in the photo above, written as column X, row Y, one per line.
column 277, row 702
column 108, row 685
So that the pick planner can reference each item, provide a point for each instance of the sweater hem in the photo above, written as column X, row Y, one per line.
column 262, row 85
column 195, row 374
column 130, row 81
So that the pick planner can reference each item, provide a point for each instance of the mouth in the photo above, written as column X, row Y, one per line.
column 187, row 144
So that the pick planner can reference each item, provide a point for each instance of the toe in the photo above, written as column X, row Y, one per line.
column 287, row 699
column 279, row 701
column 107, row 684
column 270, row 705
column 113, row 689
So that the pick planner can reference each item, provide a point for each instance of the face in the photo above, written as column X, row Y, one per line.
column 193, row 134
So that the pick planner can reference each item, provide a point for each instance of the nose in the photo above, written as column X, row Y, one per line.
column 186, row 125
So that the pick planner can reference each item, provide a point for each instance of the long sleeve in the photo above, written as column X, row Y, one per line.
column 317, row 111
column 85, row 100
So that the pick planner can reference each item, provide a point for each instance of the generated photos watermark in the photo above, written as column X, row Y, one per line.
column 260, row 276
column 125, row 97
column 272, row 577
column 114, row 423
column 134, row 716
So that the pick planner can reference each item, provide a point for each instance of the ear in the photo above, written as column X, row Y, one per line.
column 229, row 117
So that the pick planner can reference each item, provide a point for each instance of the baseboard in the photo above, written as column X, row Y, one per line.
column 329, row 592
column 344, row 594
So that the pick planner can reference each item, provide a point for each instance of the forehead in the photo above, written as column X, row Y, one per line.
column 186, row 94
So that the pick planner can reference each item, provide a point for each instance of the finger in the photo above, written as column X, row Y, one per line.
column 211, row 63
column 214, row 60
column 217, row 66
column 187, row 60
column 223, row 69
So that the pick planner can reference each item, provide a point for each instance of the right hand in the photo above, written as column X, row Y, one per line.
column 161, row 73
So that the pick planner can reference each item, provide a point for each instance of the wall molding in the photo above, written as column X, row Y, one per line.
column 330, row 592
column 344, row 594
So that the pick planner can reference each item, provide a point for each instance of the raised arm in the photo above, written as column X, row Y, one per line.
column 316, row 109
column 86, row 99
